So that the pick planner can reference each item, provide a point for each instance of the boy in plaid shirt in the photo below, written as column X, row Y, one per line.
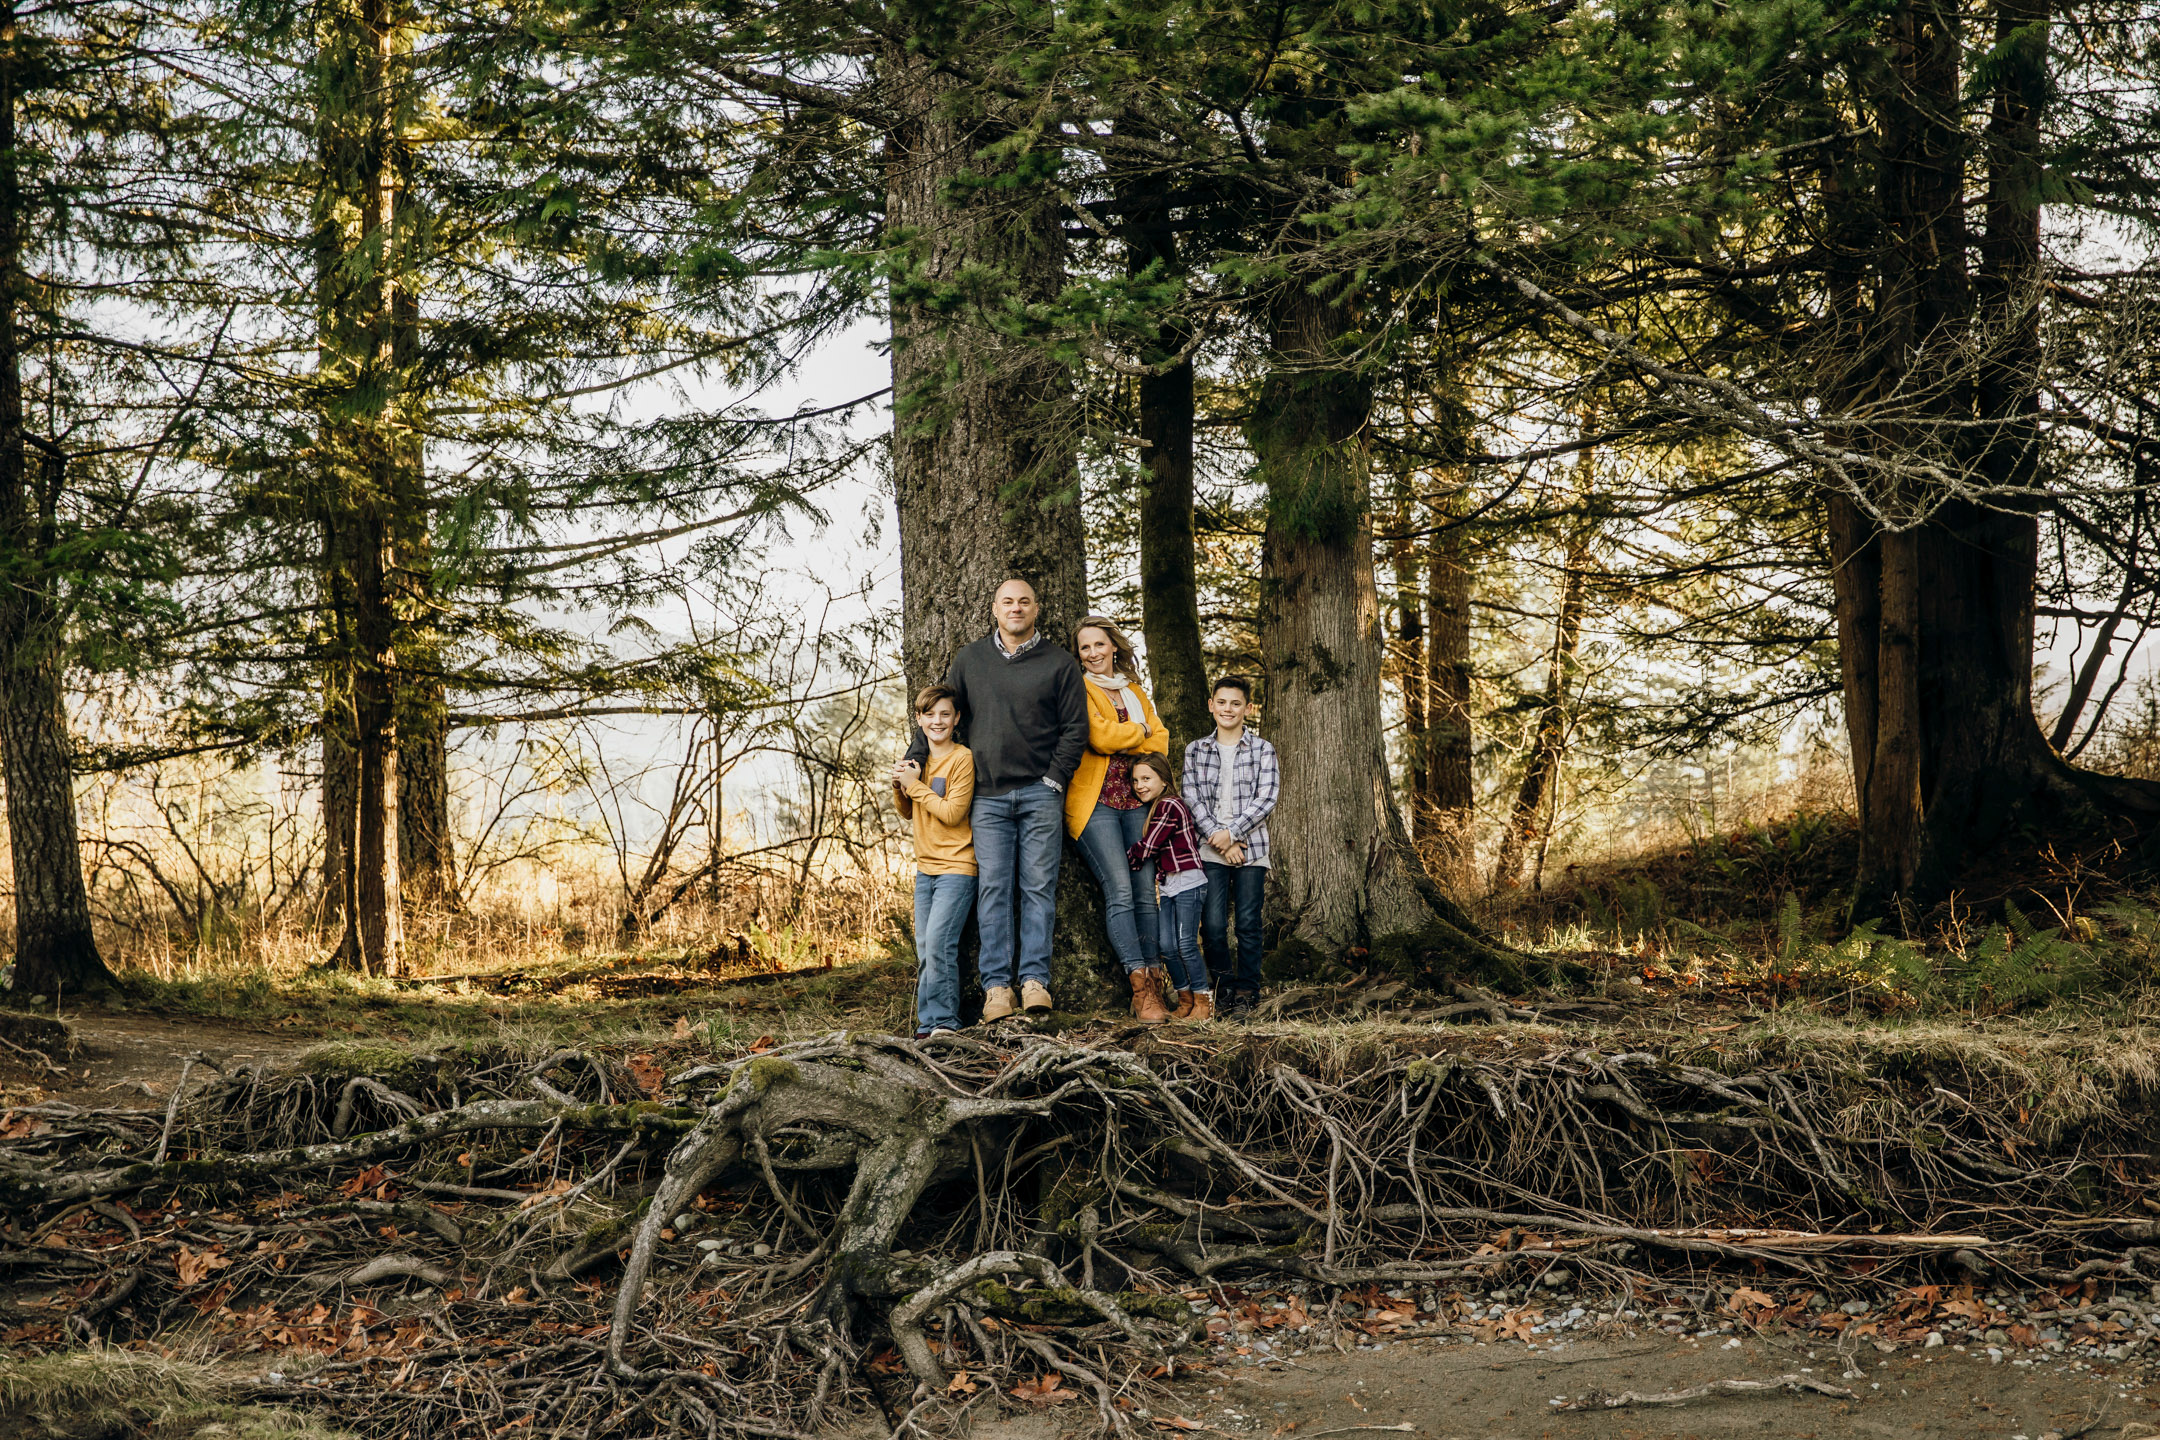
column 1231, row 784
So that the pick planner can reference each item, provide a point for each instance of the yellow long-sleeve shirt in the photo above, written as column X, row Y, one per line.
column 944, row 840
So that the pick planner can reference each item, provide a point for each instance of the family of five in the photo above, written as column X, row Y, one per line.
column 1020, row 739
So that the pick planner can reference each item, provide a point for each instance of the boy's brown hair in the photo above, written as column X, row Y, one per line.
column 929, row 695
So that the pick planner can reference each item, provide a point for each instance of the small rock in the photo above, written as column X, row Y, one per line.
column 1934, row 1340
column 1854, row 1307
column 1997, row 1337
column 761, row 1249
column 711, row 1245
column 687, row 1220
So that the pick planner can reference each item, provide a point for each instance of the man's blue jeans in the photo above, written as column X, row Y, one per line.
column 1246, row 884
column 1128, row 895
column 1019, row 840
column 941, row 911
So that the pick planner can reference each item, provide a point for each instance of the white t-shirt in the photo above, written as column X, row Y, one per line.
column 1225, row 805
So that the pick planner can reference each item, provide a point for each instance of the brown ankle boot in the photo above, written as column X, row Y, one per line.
column 1183, row 1009
column 1203, row 1008
column 1147, row 1006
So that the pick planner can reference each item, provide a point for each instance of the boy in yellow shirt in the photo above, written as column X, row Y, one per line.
column 937, row 797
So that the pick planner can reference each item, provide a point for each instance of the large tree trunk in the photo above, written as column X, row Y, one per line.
column 1449, row 807
column 1936, row 617
column 427, row 859
column 984, row 460
column 367, row 456
column 1413, row 676
column 55, row 952
column 1169, row 586
column 364, row 719
column 1344, row 874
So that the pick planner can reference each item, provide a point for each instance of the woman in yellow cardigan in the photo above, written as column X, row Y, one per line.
column 1103, row 814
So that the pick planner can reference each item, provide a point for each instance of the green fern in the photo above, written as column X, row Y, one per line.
column 2017, row 964
column 1793, row 939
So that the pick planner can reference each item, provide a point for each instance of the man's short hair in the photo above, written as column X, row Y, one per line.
column 926, row 698
column 1233, row 682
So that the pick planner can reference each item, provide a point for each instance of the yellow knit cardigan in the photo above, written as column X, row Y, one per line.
column 1107, row 736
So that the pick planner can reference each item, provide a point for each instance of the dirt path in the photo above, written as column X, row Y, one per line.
column 129, row 1059
column 1504, row 1391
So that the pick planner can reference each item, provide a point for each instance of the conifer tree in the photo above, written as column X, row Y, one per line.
column 89, row 230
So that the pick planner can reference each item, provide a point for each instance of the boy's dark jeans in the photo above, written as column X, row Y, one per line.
column 1244, row 885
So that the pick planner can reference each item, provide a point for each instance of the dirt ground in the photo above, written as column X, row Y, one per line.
column 129, row 1058
column 1504, row 1391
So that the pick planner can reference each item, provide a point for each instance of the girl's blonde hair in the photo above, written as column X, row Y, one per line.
column 1123, row 658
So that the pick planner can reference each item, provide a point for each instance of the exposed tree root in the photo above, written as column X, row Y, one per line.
column 865, row 1222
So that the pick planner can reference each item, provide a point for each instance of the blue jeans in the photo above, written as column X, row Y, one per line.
column 941, row 910
column 1128, row 895
column 1019, row 840
column 1247, row 883
column 1180, row 939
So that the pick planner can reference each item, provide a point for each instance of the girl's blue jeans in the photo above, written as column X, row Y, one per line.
column 942, row 903
column 1180, row 940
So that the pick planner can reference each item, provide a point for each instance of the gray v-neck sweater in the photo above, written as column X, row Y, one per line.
column 1025, row 717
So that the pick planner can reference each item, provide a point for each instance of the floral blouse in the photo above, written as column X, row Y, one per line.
column 1117, row 791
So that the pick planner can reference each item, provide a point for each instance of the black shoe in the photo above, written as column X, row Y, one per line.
column 1235, row 1004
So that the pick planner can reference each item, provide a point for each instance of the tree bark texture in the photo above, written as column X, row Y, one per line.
column 985, row 437
column 55, row 951
column 1412, row 674
column 427, row 857
column 1169, row 585
column 1449, row 802
column 365, row 480
column 1344, row 873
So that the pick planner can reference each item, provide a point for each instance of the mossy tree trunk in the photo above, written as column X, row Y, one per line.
column 1344, row 873
column 984, row 454
column 1169, row 584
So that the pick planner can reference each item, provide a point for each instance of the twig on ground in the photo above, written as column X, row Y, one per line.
column 1631, row 1399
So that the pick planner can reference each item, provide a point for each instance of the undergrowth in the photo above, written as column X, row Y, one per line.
column 108, row 1390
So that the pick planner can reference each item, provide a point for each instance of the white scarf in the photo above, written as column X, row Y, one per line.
column 1116, row 684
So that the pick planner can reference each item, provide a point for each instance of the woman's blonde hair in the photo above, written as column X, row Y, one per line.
column 1123, row 658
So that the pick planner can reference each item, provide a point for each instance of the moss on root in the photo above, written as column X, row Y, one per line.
column 1062, row 1305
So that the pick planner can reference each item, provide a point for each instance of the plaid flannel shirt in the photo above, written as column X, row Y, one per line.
column 1169, row 840
column 1255, row 785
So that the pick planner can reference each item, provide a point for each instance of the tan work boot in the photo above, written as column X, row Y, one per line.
column 999, row 1002
column 1203, row 1008
column 1035, row 997
column 1147, row 1006
column 1183, row 1009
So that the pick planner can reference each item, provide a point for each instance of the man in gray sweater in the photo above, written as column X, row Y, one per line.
column 1023, row 711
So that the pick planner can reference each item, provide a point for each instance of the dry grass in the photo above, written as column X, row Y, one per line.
column 108, row 1391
